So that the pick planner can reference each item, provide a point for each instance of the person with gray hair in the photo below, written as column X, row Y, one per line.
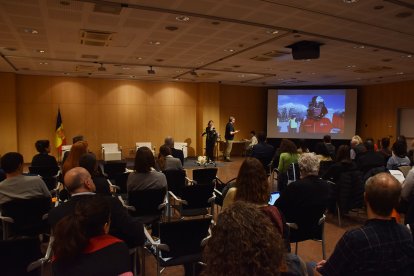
column 176, row 153
column 304, row 201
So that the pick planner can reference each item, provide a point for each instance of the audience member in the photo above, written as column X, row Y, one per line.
column 75, row 139
column 16, row 185
column 304, row 201
column 322, row 152
column 407, row 193
column 385, row 150
column 381, row 246
column 399, row 156
column 288, row 155
column 262, row 150
column 82, row 245
column 252, row 186
column 251, row 142
column 43, row 159
column 145, row 176
column 169, row 141
column 88, row 161
column 301, row 146
column 244, row 242
column 166, row 161
column 77, row 150
column 343, row 163
column 329, row 146
column 80, row 185
column 370, row 158
column 357, row 147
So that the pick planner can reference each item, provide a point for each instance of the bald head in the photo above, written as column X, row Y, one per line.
column 382, row 193
column 78, row 180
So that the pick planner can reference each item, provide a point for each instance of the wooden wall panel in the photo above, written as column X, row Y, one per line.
column 247, row 104
column 8, row 115
column 378, row 107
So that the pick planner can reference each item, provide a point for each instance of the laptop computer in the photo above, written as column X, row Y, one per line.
column 273, row 197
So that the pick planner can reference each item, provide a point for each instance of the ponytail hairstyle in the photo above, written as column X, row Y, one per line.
column 72, row 233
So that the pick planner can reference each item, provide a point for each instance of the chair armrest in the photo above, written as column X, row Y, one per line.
column 218, row 192
column 205, row 240
column 7, row 219
column 292, row 225
column 160, row 246
column 45, row 216
column 181, row 201
column 190, row 181
column 211, row 199
column 38, row 263
column 128, row 207
column 322, row 219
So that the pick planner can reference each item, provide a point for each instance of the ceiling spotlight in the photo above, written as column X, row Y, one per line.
column 154, row 43
column 272, row 31
column 182, row 18
column 350, row 1
column 41, row 51
column 229, row 50
column 150, row 71
column 101, row 68
column 359, row 47
column 30, row 31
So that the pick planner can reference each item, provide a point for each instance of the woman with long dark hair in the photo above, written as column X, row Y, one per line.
column 82, row 245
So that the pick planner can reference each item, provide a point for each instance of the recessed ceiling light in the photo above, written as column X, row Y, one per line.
column 359, row 47
column 400, row 73
column 41, row 51
column 313, row 73
column 182, row 18
column 407, row 56
column 350, row 1
column 154, row 42
column 229, row 50
column 43, row 63
column 272, row 31
column 30, row 31
column 241, row 76
column 351, row 66
column 139, row 58
column 126, row 68
column 177, row 79
column 179, row 71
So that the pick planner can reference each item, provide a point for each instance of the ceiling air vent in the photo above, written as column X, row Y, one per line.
column 95, row 38
column 275, row 54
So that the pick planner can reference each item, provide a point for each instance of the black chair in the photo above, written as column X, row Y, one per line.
column 196, row 200
column 25, row 217
column 291, row 175
column 111, row 169
column 221, row 189
column 176, row 181
column 17, row 254
column 312, row 228
column 204, row 176
column 49, row 174
column 148, row 204
column 180, row 242
column 324, row 166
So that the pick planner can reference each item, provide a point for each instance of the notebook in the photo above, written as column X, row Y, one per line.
column 273, row 197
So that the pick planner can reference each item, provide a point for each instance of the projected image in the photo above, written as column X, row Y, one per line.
column 309, row 113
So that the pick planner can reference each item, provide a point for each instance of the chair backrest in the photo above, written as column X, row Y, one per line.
column 350, row 190
column 44, row 171
column 205, row 175
column 293, row 173
column 113, row 168
column 197, row 196
column 147, row 202
column 175, row 181
column 405, row 170
column 184, row 237
column 27, row 215
column 110, row 147
column 17, row 254
column 181, row 146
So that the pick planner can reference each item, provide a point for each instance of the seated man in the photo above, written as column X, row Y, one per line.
column 80, row 185
column 304, row 201
column 16, row 185
column 263, row 151
column 169, row 141
column 381, row 246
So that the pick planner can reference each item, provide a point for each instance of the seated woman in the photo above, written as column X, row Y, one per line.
column 257, row 250
column 399, row 156
column 77, row 150
column 145, row 176
column 82, row 245
column 88, row 161
column 166, row 161
column 43, row 159
column 252, row 186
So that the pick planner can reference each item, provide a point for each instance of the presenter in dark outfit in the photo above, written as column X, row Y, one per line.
column 211, row 138
column 229, row 138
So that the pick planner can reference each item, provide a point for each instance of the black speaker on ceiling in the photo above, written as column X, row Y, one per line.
column 305, row 49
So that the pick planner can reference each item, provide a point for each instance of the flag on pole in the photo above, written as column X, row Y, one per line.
column 60, row 138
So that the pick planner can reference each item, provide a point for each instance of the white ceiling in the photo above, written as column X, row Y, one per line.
column 367, row 42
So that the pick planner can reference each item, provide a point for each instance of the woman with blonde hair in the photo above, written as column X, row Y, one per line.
column 76, row 151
